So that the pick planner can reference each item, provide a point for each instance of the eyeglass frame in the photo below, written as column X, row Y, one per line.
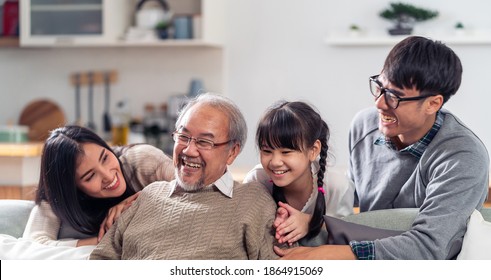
column 395, row 93
column 177, row 134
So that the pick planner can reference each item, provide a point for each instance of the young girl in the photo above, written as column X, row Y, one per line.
column 292, row 139
column 84, row 185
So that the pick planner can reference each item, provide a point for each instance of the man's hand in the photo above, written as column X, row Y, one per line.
column 114, row 213
column 324, row 252
column 87, row 241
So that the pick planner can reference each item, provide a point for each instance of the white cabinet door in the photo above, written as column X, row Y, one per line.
column 73, row 22
column 65, row 23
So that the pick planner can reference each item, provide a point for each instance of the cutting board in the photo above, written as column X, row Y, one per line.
column 41, row 116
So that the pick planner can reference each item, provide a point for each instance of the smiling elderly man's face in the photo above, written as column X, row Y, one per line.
column 197, row 167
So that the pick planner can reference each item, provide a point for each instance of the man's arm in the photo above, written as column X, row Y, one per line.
column 457, row 184
column 324, row 252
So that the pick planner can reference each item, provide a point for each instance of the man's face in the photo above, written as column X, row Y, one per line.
column 196, row 168
column 410, row 121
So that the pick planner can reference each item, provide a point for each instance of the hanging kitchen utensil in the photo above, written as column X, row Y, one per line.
column 90, row 123
column 106, row 118
column 78, row 116
column 41, row 116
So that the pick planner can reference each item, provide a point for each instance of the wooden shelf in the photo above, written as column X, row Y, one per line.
column 192, row 43
column 29, row 149
column 160, row 43
column 9, row 42
column 18, row 192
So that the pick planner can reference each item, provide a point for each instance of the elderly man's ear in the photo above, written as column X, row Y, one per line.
column 233, row 153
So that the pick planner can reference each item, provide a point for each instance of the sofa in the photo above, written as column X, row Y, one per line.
column 14, row 215
column 476, row 245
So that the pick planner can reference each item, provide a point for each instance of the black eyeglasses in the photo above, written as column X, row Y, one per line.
column 391, row 96
column 202, row 144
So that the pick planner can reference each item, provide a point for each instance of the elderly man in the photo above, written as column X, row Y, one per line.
column 203, row 214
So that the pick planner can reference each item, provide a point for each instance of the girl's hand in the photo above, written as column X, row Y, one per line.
column 294, row 227
column 281, row 216
column 114, row 213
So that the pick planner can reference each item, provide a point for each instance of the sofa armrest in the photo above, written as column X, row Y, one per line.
column 395, row 219
column 14, row 215
column 486, row 213
column 392, row 219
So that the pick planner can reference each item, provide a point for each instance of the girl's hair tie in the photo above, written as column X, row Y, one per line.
column 321, row 189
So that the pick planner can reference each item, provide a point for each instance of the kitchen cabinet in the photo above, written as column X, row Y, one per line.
column 73, row 22
column 103, row 23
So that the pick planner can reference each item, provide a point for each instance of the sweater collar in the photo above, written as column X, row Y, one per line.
column 224, row 184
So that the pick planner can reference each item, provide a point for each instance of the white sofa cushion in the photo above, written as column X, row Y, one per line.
column 477, row 239
column 12, row 248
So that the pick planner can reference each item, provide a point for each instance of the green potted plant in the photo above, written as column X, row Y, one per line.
column 404, row 16
column 459, row 28
column 162, row 29
column 354, row 30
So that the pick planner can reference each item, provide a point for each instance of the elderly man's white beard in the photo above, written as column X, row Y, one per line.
column 189, row 187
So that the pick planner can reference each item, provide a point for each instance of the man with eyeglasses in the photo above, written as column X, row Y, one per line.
column 408, row 152
column 203, row 213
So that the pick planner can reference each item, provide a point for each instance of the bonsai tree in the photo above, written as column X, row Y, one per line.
column 404, row 16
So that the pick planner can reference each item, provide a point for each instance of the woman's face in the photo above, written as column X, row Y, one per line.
column 98, row 173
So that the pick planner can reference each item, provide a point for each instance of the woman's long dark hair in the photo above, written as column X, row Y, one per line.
column 296, row 126
column 57, row 184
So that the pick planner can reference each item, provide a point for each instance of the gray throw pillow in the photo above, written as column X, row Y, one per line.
column 341, row 232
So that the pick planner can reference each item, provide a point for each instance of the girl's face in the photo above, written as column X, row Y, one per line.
column 289, row 168
column 98, row 173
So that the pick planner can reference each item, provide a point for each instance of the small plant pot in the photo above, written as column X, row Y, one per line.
column 354, row 33
column 163, row 33
column 400, row 31
column 460, row 31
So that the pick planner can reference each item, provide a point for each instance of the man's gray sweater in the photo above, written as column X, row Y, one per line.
column 447, row 183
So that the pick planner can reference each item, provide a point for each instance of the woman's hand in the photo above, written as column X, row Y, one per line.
column 87, row 241
column 291, row 224
column 114, row 213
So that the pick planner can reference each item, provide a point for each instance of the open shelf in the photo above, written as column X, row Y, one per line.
column 380, row 39
column 9, row 42
column 144, row 43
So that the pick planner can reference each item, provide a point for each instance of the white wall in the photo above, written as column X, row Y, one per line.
column 277, row 50
column 145, row 75
column 274, row 49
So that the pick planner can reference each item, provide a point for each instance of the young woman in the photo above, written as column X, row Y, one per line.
column 84, row 185
column 292, row 139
